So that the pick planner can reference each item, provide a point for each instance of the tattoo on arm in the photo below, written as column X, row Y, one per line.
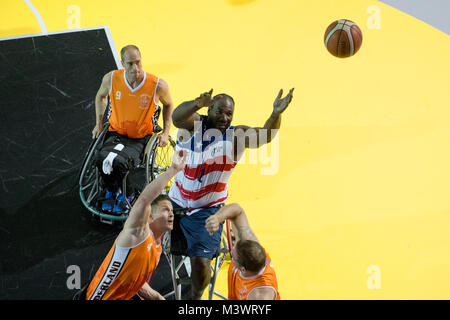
column 246, row 233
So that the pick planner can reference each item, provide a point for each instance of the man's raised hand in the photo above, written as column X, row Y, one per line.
column 280, row 104
column 205, row 99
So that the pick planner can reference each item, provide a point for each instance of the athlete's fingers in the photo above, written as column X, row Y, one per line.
column 290, row 94
column 279, row 94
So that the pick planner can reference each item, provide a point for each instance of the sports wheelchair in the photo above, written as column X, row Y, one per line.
column 174, row 248
column 155, row 161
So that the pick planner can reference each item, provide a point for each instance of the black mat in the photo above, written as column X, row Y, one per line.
column 47, row 112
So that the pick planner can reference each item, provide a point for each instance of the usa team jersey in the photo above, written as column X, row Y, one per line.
column 204, row 181
column 125, row 270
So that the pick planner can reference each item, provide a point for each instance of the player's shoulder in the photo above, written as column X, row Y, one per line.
column 107, row 77
column 162, row 84
column 108, row 74
column 262, row 293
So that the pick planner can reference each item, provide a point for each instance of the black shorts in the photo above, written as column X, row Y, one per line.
column 127, row 158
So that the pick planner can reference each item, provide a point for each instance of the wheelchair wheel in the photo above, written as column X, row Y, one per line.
column 89, row 176
column 89, row 183
column 158, row 160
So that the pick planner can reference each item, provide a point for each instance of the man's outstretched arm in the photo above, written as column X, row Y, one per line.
column 254, row 137
column 140, row 212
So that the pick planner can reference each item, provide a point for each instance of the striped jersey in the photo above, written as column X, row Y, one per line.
column 134, row 112
column 239, row 286
column 125, row 270
column 204, row 181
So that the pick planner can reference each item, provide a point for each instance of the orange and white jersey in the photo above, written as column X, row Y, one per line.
column 239, row 286
column 134, row 112
column 125, row 270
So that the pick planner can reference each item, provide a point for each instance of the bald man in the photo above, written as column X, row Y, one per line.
column 134, row 96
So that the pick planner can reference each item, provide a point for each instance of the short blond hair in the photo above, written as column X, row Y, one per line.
column 251, row 255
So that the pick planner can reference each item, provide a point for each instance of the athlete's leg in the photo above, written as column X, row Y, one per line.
column 200, row 276
column 201, row 248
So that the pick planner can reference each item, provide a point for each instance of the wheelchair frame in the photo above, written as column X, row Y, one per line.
column 89, row 188
column 225, row 247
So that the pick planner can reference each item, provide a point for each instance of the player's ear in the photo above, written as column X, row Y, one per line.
column 151, row 216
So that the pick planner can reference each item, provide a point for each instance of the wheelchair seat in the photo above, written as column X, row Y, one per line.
column 154, row 161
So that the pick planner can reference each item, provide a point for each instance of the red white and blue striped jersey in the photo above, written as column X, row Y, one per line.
column 204, row 181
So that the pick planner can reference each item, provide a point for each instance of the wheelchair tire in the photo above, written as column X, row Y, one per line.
column 158, row 160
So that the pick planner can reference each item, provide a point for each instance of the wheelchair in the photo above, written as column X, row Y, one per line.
column 174, row 246
column 155, row 161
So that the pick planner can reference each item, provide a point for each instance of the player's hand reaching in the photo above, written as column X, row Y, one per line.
column 205, row 99
column 280, row 104
column 179, row 159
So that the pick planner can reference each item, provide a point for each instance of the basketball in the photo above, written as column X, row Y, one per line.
column 343, row 38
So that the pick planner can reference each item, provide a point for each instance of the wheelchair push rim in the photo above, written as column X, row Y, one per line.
column 158, row 160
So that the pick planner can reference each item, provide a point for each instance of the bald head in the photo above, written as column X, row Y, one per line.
column 131, row 61
column 220, row 114
column 223, row 96
column 127, row 49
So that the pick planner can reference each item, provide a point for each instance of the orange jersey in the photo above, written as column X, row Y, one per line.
column 239, row 286
column 134, row 112
column 125, row 270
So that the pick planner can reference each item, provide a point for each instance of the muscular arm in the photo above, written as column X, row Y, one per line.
column 238, row 218
column 140, row 212
column 254, row 137
column 185, row 115
column 101, row 101
column 138, row 218
column 166, row 99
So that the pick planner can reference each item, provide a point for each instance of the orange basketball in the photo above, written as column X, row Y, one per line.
column 343, row 38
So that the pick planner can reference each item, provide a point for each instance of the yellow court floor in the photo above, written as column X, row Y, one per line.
column 352, row 199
